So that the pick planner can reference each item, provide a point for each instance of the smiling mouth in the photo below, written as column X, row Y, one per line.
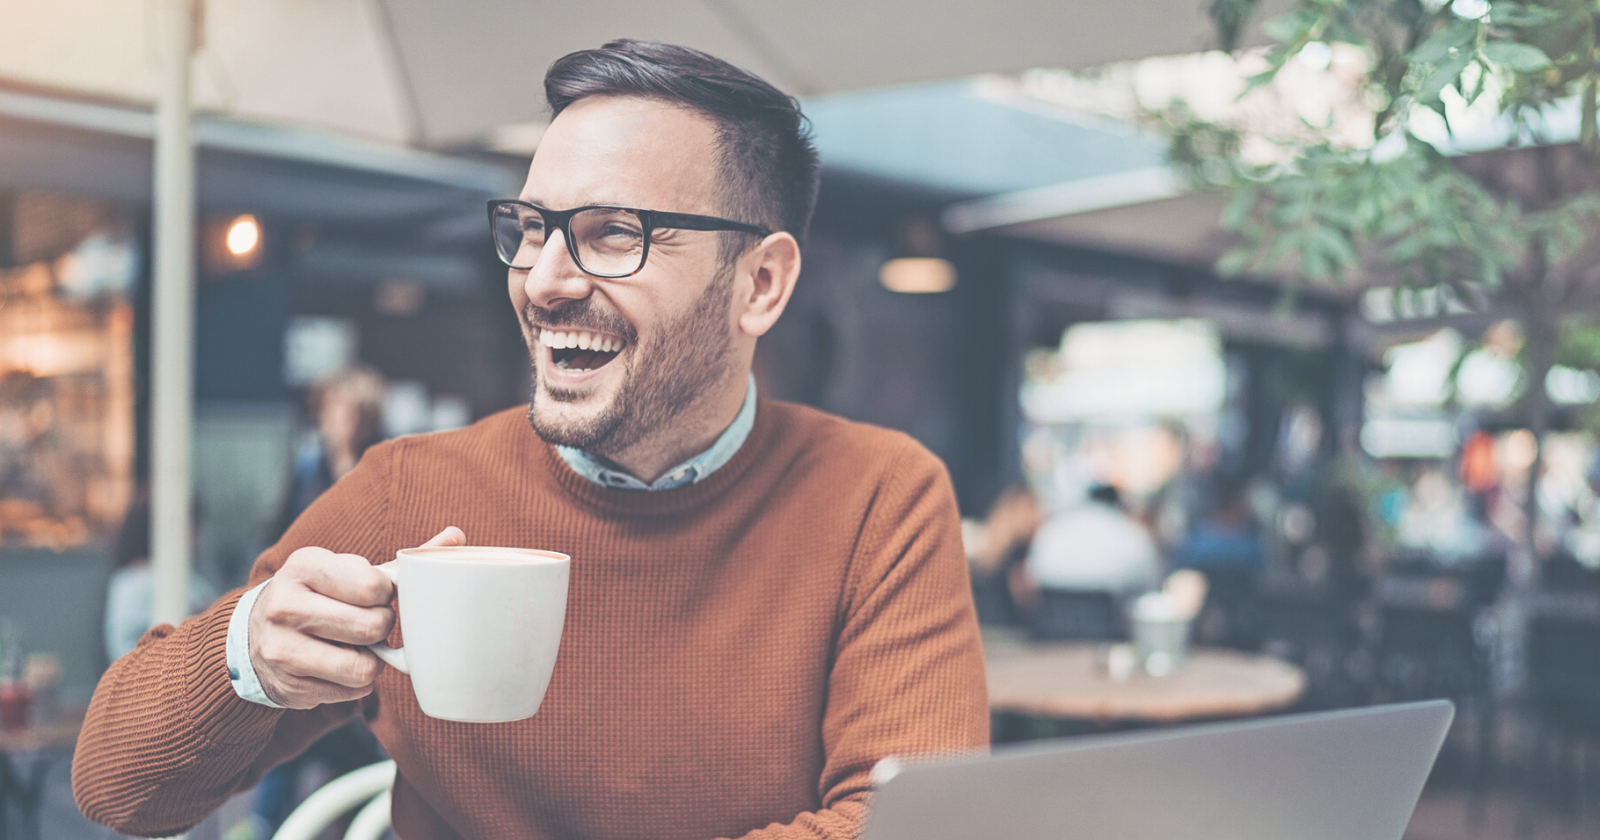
column 579, row 350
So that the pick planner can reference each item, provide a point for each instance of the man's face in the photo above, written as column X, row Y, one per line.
column 649, row 346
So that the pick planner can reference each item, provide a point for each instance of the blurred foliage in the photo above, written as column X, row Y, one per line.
column 1398, row 201
column 1520, row 232
column 1579, row 347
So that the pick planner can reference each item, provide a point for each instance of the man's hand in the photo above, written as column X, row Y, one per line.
column 309, row 625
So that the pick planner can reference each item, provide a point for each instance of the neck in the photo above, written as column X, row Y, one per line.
column 690, row 433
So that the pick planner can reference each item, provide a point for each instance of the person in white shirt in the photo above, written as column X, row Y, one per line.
column 130, row 594
column 1095, row 546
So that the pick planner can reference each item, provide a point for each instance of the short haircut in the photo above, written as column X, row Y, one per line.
column 767, row 164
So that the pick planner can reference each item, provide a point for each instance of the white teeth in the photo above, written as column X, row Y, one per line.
column 582, row 340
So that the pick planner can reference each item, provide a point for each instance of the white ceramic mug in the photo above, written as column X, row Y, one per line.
column 482, row 627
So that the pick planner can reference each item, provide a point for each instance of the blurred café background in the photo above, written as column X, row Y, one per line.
column 1005, row 263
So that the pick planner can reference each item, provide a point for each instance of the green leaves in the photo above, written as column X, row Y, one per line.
column 1444, row 74
column 1240, row 203
column 1524, row 58
column 1338, row 215
column 1446, row 41
column 1402, row 209
column 1522, row 15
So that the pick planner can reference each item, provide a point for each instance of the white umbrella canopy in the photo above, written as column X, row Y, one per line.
column 480, row 64
column 447, row 73
column 313, row 63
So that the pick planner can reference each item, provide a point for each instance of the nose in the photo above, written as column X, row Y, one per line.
column 555, row 277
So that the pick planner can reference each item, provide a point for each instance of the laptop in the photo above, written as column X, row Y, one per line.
column 1354, row 774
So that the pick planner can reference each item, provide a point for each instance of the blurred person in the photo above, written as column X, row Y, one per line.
column 1563, row 489
column 1437, row 520
column 1391, row 496
column 1479, row 470
column 997, row 558
column 130, row 594
column 1228, row 544
column 347, row 407
column 1177, row 504
column 1582, row 539
column 1095, row 546
column 765, row 600
column 1226, row 537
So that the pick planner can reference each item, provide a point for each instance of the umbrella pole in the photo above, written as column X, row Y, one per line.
column 172, row 325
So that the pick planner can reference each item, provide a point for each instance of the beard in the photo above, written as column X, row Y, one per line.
column 660, row 380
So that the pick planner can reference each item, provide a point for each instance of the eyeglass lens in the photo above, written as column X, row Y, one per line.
column 608, row 242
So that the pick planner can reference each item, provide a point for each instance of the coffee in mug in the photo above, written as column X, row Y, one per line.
column 482, row 627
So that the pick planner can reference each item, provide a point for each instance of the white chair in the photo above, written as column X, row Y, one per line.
column 370, row 784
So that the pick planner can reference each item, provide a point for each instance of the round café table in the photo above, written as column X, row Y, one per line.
column 1070, row 680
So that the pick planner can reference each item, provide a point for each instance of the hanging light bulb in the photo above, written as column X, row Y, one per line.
column 244, row 236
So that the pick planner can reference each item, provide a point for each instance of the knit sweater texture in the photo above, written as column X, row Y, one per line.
column 737, row 653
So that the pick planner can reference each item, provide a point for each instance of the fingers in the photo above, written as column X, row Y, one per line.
column 347, row 578
column 316, row 615
column 304, row 659
column 336, row 674
column 300, row 671
column 308, row 624
column 449, row 536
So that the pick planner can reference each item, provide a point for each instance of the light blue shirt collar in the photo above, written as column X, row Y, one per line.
column 693, row 470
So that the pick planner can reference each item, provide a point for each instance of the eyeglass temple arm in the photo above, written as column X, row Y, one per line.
column 690, row 221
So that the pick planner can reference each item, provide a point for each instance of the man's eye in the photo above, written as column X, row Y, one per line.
column 533, row 224
column 620, row 230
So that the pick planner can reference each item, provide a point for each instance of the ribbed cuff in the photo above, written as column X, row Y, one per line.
column 219, row 714
column 241, row 671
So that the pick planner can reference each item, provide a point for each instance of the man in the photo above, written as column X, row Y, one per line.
column 764, row 601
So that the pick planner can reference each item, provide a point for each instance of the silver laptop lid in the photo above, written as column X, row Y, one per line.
column 1353, row 774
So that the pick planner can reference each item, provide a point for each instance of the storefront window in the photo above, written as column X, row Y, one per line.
column 66, row 371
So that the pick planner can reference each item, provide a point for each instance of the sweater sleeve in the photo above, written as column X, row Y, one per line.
column 908, row 677
column 167, row 739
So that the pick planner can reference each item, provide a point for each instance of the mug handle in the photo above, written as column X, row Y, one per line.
column 393, row 657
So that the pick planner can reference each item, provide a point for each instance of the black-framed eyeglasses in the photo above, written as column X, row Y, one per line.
column 604, row 240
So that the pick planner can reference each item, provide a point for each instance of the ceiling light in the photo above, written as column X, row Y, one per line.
column 918, row 275
column 244, row 235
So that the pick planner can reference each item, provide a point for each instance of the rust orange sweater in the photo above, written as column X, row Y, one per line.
column 737, row 653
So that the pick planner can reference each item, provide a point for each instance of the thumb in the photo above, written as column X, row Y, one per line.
column 449, row 536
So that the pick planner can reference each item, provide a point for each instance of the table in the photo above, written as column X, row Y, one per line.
column 1069, row 680
column 40, row 745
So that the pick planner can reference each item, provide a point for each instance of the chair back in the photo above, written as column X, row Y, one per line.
column 367, row 787
column 1063, row 614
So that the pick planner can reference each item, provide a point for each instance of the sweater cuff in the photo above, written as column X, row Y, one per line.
column 218, row 712
column 241, row 670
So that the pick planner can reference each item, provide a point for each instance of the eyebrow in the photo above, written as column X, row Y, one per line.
column 584, row 204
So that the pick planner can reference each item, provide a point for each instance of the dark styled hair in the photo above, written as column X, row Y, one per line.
column 767, row 164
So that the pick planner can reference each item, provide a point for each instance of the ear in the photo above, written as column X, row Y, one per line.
column 771, row 269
